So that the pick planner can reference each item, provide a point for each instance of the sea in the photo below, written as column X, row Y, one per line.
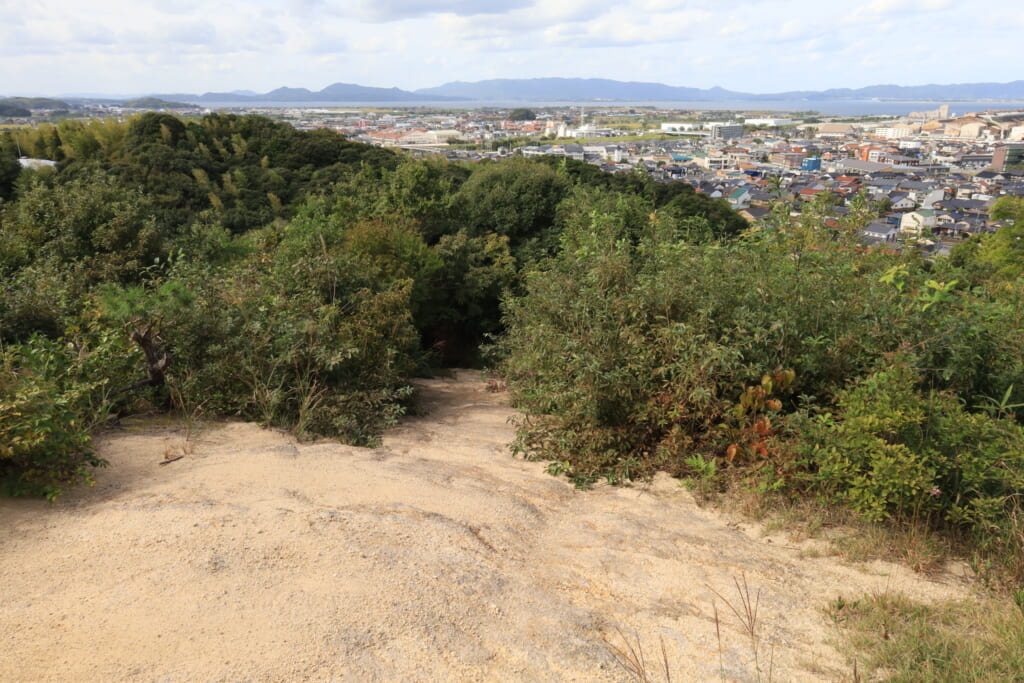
column 828, row 108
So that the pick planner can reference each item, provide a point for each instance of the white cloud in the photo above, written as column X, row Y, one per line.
column 754, row 45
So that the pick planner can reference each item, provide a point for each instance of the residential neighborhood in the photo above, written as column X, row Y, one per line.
column 933, row 175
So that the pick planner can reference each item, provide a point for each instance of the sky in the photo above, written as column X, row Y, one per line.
column 131, row 47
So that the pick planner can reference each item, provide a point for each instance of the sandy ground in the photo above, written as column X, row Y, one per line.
column 437, row 557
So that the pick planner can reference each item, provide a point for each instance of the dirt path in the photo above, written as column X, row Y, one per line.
column 436, row 557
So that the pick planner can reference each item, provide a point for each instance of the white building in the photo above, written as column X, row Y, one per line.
column 918, row 222
column 36, row 163
column 895, row 132
column 679, row 127
column 769, row 123
column 726, row 131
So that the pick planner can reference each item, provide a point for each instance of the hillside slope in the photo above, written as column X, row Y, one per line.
column 434, row 557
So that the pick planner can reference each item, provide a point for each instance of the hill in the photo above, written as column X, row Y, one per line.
column 571, row 89
column 575, row 89
column 555, row 89
column 35, row 103
column 960, row 91
column 337, row 92
column 11, row 109
column 155, row 103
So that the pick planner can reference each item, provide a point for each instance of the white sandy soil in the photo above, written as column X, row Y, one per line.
column 436, row 557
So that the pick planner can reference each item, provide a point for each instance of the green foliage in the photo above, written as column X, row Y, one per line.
column 631, row 345
column 42, row 447
column 515, row 199
column 199, row 240
column 36, row 299
column 461, row 306
column 50, row 394
column 522, row 114
column 134, row 304
column 1003, row 252
column 91, row 224
column 614, row 379
column 248, row 168
column 900, row 640
column 892, row 449
column 311, row 331
column 887, row 384
column 420, row 191
column 10, row 167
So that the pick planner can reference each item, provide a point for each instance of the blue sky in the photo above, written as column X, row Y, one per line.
column 144, row 46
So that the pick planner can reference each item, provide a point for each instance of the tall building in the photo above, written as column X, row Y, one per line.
column 726, row 131
column 1007, row 155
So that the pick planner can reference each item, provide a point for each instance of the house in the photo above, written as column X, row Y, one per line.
column 862, row 166
column 918, row 222
column 740, row 198
column 933, row 198
column 754, row 213
column 879, row 233
column 917, row 190
column 900, row 201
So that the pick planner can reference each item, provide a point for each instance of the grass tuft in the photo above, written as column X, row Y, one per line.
column 896, row 639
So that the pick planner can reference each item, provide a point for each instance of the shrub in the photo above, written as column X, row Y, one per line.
column 630, row 347
column 894, row 450
column 45, row 443
column 304, row 333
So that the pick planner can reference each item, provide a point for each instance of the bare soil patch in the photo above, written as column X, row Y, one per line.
column 435, row 557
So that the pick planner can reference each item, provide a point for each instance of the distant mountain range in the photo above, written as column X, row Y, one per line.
column 602, row 89
column 951, row 93
column 339, row 92
column 537, row 90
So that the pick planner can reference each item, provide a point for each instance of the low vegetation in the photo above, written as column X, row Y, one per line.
column 896, row 639
column 299, row 279
column 238, row 266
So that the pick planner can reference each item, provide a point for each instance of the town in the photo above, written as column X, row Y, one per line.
column 931, row 176
column 934, row 175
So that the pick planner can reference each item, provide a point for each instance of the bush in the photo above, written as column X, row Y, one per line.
column 790, row 364
column 306, row 333
column 45, row 443
column 631, row 348
column 894, row 450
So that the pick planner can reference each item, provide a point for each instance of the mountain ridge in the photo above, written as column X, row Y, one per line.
column 604, row 89
column 600, row 90
column 336, row 92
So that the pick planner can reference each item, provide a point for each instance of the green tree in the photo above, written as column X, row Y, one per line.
column 517, row 199
column 1003, row 252
column 93, row 226
column 522, row 114
column 10, row 167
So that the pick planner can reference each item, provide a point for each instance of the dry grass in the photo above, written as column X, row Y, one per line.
column 746, row 611
column 629, row 653
column 893, row 638
column 630, row 656
column 848, row 536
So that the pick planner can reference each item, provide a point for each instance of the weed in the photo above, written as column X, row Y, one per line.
column 747, row 615
column 185, row 399
column 703, row 482
column 630, row 656
column 906, row 641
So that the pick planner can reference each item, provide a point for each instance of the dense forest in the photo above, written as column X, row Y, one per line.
column 239, row 267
